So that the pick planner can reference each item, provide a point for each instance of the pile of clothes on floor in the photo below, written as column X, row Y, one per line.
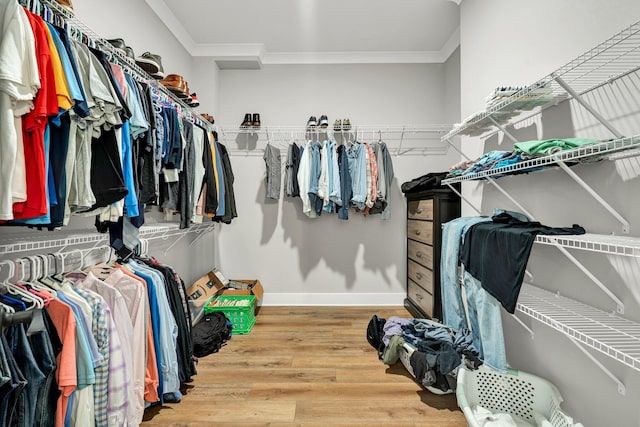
column 430, row 351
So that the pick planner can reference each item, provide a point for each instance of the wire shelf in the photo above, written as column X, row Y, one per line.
column 612, row 59
column 610, row 245
column 605, row 332
column 589, row 152
column 125, row 62
column 148, row 232
column 400, row 139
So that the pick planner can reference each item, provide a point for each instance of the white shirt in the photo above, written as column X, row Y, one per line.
column 304, row 171
column 19, row 81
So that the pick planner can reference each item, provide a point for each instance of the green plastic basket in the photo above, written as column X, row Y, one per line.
column 241, row 317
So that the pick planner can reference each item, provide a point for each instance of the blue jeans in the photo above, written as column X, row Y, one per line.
column 47, row 394
column 19, row 343
column 12, row 405
column 453, row 314
column 486, row 323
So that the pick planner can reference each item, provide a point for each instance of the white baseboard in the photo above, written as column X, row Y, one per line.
column 334, row 299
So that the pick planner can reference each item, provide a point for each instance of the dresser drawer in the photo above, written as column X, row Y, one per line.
column 421, row 231
column 420, row 297
column 420, row 253
column 420, row 209
column 421, row 275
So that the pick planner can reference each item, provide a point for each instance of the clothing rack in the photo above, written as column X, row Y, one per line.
column 95, row 248
column 401, row 139
column 52, row 12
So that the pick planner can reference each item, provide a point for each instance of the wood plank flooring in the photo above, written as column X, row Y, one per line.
column 306, row 366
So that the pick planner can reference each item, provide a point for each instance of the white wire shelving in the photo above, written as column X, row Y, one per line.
column 612, row 59
column 147, row 232
column 591, row 152
column 400, row 139
column 614, row 336
column 602, row 243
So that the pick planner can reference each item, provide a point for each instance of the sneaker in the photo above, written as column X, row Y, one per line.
column 337, row 125
column 194, row 101
column 152, row 64
column 119, row 45
column 312, row 122
column 324, row 121
column 346, row 124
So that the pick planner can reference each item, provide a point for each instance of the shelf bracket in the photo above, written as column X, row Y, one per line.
column 527, row 328
column 465, row 199
column 508, row 196
column 596, row 196
column 621, row 388
column 401, row 140
column 594, row 279
column 505, row 131
column 588, row 107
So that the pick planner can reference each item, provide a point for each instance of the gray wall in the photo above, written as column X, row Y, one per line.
column 325, row 260
column 545, row 36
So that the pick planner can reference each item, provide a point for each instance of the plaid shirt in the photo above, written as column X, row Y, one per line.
column 100, row 331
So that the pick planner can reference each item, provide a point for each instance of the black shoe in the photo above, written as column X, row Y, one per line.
column 312, row 122
column 246, row 123
column 256, row 120
column 324, row 121
column 152, row 64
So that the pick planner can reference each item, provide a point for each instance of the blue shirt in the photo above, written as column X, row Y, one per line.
column 167, row 327
column 358, row 173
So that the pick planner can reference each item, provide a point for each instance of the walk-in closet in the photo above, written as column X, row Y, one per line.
column 305, row 213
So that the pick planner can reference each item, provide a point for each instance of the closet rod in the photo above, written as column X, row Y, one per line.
column 120, row 59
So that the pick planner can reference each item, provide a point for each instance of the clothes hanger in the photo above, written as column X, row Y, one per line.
column 20, row 292
column 33, row 287
column 17, row 295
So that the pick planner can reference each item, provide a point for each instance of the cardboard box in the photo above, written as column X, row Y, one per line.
column 200, row 292
column 254, row 287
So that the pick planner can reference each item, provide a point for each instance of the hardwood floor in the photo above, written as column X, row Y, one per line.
column 306, row 366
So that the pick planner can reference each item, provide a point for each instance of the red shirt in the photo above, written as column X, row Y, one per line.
column 33, row 127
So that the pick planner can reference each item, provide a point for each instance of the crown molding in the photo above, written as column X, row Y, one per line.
column 256, row 52
column 456, row 2
column 165, row 14
column 450, row 45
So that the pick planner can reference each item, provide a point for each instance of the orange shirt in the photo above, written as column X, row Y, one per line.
column 65, row 323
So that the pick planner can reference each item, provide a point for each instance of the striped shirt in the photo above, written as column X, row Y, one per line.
column 100, row 330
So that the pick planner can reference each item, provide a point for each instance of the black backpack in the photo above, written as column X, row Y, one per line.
column 375, row 334
column 210, row 333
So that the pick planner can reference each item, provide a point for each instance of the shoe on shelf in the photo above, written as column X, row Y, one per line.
column 256, row 120
column 119, row 45
column 66, row 4
column 208, row 118
column 247, row 122
column 337, row 125
column 312, row 122
column 176, row 84
column 324, row 121
column 346, row 124
column 129, row 55
column 194, row 101
column 152, row 64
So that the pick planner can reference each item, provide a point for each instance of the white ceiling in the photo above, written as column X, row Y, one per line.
column 313, row 31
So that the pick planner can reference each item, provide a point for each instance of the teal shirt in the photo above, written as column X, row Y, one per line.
column 548, row 146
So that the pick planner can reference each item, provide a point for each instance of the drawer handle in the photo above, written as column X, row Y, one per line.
column 419, row 210
column 419, row 297
column 419, row 254
column 417, row 232
column 419, row 276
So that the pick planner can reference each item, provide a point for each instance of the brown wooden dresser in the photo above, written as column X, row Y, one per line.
column 426, row 212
